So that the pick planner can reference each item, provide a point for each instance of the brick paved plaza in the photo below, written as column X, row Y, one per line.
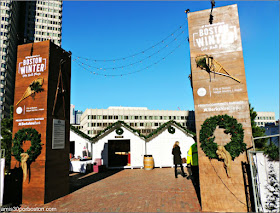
column 130, row 190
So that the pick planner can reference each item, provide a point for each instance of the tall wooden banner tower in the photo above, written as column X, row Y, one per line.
column 222, row 113
column 41, row 121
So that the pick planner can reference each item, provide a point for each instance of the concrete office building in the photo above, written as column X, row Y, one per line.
column 24, row 22
column 265, row 118
column 141, row 118
column 9, row 19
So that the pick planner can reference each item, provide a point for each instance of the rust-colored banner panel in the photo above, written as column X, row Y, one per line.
column 37, row 106
column 219, row 88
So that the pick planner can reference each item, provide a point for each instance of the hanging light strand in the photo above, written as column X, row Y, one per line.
column 131, row 64
column 133, row 72
column 133, row 55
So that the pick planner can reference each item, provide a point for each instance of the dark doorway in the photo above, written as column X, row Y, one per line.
column 118, row 152
column 72, row 147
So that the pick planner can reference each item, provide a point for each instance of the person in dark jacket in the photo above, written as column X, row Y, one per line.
column 176, row 152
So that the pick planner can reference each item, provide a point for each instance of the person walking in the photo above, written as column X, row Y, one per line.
column 192, row 163
column 176, row 152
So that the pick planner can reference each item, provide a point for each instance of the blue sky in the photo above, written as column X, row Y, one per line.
column 113, row 30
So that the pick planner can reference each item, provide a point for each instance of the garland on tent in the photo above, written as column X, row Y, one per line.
column 235, row 147
column 27, row 134
column 168, row 124
column 80, row 132
column 118, row 123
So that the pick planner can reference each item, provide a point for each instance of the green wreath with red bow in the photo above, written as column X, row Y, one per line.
column 235, row 147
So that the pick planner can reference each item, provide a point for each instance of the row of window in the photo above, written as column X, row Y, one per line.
column 4, row 4
column 48, row 10
column 47, row 34
column 94, row 132
column 5, row 12
column 47, row 27
column 5, row 19
column 47, row 21
column 265, row 118
column 44, row 39
column 126, row 117
column 47, row 15
column 4, row 26
column 4, row 34
column 49, row 4
column 130, row 124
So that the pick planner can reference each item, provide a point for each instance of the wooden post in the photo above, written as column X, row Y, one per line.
column 48, row 176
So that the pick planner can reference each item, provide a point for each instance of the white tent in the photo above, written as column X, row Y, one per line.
column 121, row 146
column 124, row 150
column 160, row 146
column 80, row 144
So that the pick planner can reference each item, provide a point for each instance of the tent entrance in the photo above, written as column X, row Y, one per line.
column 118, row 153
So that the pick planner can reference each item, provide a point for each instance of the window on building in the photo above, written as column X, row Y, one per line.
column 156, row 124
column 88, row 117
column 131, row 124
column 125, row 117
column 136, row 117
column 141, row 124
column 104, row 116
column 110, row 117
column 116, row 117
column 99, row 117
column 150, row 117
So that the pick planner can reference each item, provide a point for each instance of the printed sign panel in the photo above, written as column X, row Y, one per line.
column 219, row 88
column 58, row 137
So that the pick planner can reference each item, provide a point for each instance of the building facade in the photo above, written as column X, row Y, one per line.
column 24, row 22
column 9, row 21
column 265, row 118
column 140, row 118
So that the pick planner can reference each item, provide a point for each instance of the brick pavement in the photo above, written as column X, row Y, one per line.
column 130, row 190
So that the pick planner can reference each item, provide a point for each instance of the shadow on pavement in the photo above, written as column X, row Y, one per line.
column 79, row 180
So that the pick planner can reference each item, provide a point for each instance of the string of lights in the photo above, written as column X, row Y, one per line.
column 130, row 64
column 132, row 72
column 133, row 55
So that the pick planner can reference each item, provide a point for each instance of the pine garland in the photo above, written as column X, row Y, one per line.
column 27, row 134
column 119, row 123
column 235, row 147
column 36, row 87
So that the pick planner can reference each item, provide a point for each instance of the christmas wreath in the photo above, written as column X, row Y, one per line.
column 235, row 147
column 27, row 134
column 119, row 131
column 171, row 129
